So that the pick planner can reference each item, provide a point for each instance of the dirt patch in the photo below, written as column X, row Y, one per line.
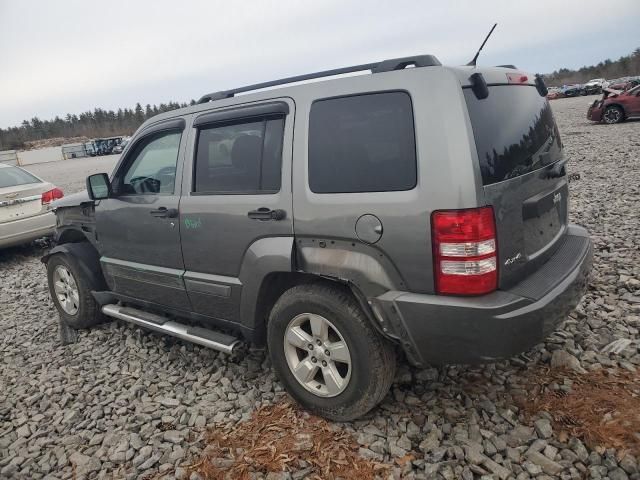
column 283, row 438
column 600, row 407
column 53, row 142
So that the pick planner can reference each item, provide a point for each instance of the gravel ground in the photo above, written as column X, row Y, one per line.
column 124, row 403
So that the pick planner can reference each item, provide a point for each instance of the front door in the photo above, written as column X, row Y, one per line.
column 138, row 226
column 236, row 193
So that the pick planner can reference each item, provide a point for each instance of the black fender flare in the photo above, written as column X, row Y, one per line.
column 265, row 256
column 87, row 259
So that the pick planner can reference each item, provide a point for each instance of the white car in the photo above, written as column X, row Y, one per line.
column 25, row 206
column 594, row 86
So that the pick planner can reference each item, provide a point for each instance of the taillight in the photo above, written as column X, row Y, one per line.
column 464, row 251
column 51, row 195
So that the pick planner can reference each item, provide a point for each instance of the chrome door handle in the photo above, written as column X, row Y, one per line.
column 264, row 213
column 164, row 212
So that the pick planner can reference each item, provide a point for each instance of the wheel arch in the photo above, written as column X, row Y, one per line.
column 87, row 258
column 71, row 235
column 275, row 264
column 618, row 105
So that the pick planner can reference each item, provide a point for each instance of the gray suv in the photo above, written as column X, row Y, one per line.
column 415, row 212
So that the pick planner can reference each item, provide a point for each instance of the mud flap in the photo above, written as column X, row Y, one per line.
column 67, row 334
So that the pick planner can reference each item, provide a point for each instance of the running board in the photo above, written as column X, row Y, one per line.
column 202, row 336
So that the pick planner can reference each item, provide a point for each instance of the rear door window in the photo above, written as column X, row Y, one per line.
column 514, row 130
column 242, row 157
column 362, row 143
column 14, row 176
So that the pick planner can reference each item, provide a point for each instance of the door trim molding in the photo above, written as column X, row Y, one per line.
column 210, row 284
column 140, row 272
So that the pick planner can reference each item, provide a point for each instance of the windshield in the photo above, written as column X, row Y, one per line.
column 14, row 176
column 514, row 130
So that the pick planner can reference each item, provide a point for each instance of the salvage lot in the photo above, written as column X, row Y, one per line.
column 124, row 403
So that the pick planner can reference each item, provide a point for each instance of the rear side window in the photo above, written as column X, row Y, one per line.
column 514, row 130
column 13, row 176
column 362, row 143
column 240, row 158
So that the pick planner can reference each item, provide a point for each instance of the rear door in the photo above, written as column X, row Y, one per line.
column 237, row 191
column 523, row 175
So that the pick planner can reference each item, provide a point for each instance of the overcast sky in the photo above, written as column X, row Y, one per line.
column 68, row 56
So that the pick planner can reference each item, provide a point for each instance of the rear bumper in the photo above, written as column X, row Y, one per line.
column 443, row 329
column 27, row 229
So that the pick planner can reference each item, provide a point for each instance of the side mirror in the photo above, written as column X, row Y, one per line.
column 98, row 186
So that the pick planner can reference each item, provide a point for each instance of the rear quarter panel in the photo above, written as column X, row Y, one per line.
column 447, row 178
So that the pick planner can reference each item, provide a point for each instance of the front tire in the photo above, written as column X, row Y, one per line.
column 326, row 353
column 613, row 114
column 70, row 292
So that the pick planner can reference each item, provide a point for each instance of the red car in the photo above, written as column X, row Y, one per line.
column 615, row 106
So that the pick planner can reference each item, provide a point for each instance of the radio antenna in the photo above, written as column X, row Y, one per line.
column 472, row 63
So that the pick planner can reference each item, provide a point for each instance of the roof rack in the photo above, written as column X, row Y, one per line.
column 379, row 67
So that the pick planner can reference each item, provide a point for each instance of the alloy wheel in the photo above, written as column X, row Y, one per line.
column 612, row 115
column 66, row 290
column 317, row 355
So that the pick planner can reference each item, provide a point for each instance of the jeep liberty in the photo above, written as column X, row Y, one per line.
column 417, row 213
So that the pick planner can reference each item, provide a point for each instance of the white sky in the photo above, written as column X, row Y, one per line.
column 68, row 56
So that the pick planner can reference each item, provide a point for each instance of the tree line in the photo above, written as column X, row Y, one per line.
column 106, row 123
column 628, row 65
column 99, row 123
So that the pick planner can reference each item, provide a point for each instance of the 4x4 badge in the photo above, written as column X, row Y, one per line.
column 512, row 260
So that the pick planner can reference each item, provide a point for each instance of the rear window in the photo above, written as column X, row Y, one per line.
column 362, row 143
column 13, row 176
column 514, row 130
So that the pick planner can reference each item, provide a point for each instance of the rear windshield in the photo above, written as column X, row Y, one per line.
column 13, row 176
column 514, row 130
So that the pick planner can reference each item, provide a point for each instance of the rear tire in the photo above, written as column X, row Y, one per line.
column 70, row 292
column 306, row 325
column 613, row 114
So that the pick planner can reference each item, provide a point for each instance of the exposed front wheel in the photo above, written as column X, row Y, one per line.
column 326, row 353
column 70, row 292
column 613, row 114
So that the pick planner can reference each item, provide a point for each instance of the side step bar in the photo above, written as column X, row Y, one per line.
column 202, row 336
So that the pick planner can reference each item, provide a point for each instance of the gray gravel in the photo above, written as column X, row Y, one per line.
column 124, row 403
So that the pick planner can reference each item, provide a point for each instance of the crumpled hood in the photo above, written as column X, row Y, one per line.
column 73, row 200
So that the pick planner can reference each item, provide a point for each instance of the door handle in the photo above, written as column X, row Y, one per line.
column 164, row 212
column 265, row 213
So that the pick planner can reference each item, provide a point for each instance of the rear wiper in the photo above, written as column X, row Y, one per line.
column 558, row 170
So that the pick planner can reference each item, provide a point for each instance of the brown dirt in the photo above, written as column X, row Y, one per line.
column 52, row 142
column 277, row 438
column 602, row 408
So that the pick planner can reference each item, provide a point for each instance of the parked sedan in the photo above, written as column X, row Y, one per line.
column 625, row 84
column 24, row 206
column 573, row 90
column 616, row 106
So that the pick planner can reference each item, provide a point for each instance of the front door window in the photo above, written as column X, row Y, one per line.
column 151, row 168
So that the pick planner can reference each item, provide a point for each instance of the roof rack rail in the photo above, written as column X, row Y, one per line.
column 507, row 66
column 379, row 67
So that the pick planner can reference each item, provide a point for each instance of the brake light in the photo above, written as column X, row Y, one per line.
column 51, row 195
column 517, row 78
column 464, row 251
